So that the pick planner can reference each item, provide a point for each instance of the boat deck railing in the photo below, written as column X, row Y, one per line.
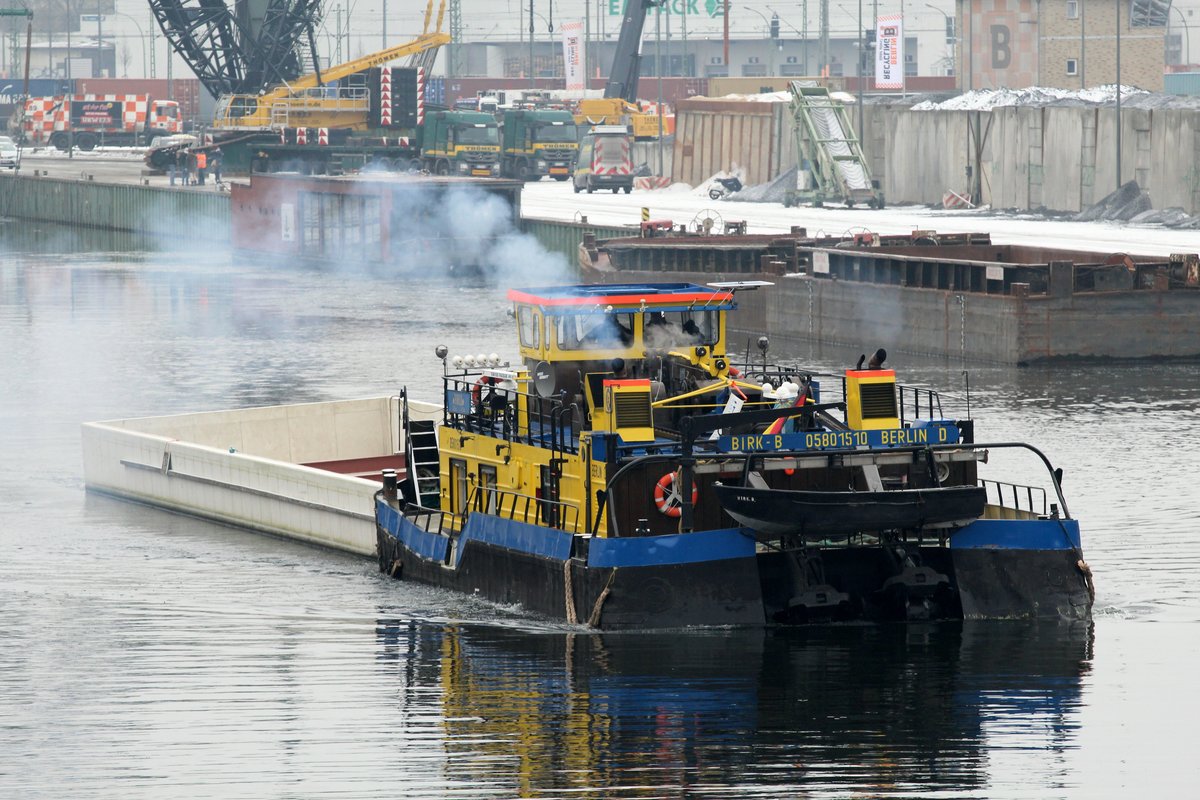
column 432, row 520
column 525, row 508
column 913, row 402
column 925, row 403
column 515, row 416
column 1031, row 499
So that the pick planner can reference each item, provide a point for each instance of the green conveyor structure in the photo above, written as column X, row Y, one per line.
column 830, row 156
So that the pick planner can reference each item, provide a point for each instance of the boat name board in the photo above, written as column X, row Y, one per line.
column 935, row 433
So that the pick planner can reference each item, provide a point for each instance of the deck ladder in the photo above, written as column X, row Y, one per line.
column 421, row 457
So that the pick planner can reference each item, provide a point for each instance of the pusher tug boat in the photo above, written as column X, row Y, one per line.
column 558, row 483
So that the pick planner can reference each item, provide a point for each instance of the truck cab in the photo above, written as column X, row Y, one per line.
column 461, row 143
column 605, row 160
column 539, row 142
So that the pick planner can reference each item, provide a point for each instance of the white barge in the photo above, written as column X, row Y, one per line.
column 305, row 471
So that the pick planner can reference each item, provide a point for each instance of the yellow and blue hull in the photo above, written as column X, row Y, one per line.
column 995, row 569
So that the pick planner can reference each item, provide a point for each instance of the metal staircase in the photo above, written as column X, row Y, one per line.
column 832, row 167
column 421, row 457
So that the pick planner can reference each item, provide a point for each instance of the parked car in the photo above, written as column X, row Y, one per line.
column 10, row 156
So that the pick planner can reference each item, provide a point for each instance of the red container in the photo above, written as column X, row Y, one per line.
column 185, row 91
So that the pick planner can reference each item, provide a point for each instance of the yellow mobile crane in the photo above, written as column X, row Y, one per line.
column 309, row 102
column 619, row 106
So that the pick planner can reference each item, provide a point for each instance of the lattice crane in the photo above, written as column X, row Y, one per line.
column 244, row 48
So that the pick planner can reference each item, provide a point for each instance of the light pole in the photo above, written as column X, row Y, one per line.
column 658, row 74
column 862, row 61
column 950, row 40
column 142, row 36
column 862, row 66
column 803, row 34
column 1187, row 33
column 549, row 29
column 766, row 35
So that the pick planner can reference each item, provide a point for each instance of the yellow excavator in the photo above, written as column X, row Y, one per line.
column 311, row 101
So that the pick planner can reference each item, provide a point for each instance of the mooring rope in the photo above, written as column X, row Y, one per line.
column 569, row 590
column 594, row 619
column 1086, row 571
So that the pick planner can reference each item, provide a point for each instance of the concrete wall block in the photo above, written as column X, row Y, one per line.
column 1062, row 166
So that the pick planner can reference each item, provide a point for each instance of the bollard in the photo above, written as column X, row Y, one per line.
column 389, row 484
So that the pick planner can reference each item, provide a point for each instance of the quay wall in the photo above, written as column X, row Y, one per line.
column 193, row 216
column 177, row 215
column 565, row 237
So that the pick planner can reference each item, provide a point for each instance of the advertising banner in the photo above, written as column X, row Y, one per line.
column 97, row 113
column 889, row 52
column 572, row 33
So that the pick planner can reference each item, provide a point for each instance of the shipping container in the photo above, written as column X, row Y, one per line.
column 435, row 91
column 185, row 91
column 1182, row 83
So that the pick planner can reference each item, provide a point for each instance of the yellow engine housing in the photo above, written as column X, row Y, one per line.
column 626, row 410
column 871, row 399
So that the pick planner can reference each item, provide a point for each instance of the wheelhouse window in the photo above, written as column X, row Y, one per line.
column 666, row 329
column 528, row 324
column 594, row 331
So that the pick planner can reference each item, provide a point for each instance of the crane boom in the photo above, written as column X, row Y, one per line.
column 307, row 101
column 421, row 44
column 626, row 67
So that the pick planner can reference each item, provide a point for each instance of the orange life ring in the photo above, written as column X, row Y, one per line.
column 668, row 499
column 477, row 391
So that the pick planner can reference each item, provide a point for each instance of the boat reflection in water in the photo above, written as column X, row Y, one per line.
column 845, row 708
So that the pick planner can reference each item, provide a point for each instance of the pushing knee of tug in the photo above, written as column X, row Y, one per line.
column 626, row 473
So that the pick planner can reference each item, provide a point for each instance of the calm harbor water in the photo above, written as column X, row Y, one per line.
column 148, row 655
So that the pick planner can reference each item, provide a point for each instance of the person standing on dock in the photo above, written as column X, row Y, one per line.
column 181, row 166
column 201, row 166
column 215, row 164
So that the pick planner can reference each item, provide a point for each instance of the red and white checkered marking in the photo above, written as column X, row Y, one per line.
column 45, row 115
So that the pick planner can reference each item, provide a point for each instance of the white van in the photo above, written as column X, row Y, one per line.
column 605, row 160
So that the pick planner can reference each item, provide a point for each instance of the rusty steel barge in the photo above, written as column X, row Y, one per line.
column 950, row 295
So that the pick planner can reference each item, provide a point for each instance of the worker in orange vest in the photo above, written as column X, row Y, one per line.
column 201, row 166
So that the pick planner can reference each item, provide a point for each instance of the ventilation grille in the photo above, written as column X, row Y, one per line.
column 878, row 400
column 632, row 410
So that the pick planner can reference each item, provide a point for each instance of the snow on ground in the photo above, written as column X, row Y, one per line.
column 553, row 200
column 98, row 154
